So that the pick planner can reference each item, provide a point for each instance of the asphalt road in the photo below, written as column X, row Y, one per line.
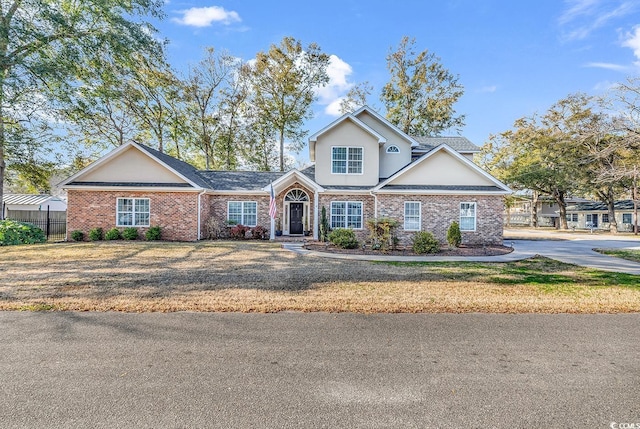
column 185, row 370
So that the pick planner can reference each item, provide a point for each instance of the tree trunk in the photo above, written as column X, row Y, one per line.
column 281, row 150
column 613, row 223
column 2, row 143
column 562, row 206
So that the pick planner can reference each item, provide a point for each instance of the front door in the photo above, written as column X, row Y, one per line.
column 295, row 218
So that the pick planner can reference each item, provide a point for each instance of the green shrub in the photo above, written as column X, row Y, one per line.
column 112, row 234
column 77, row 235
column 130, row 233
column 344, row 238
column 425, row 242
column 95, row 234
column 325, row 228
column 454, row 236
column 152, row 233
column 12, row 232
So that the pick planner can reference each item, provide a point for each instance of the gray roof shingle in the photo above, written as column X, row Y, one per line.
column 594, row 206
column 457, row 143
column 239, row 180
column 187, row 170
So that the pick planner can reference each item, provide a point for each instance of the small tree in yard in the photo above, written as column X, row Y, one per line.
column 324, row 226
column 454, row 236
column 382, row 232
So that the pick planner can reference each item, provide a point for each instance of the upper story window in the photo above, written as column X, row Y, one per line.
column 346, row 160
column 393, row 149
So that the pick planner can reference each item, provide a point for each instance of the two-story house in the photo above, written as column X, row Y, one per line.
column 363, row 168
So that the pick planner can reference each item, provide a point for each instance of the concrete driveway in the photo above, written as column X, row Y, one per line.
column 572, row 248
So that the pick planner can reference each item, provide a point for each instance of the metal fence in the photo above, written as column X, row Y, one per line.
column 54, row 224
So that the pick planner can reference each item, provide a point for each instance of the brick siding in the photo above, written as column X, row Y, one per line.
column 439, row 211
column 175, row 212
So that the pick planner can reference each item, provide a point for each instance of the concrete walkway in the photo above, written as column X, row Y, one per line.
column 569, row 248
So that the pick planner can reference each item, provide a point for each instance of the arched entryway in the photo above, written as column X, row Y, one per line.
column 296, row 212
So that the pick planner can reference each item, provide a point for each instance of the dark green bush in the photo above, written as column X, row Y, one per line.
column 12, row 232
column 95, row 234
column 344, row 238
column 454, row 236
column 425, row 242
column 77, row 235
column 112, row 234
column 152, row 233
column 130, row 233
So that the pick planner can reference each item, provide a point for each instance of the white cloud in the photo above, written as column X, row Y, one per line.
column 633, row 41
column 608, row 66
column 605, row 85
column 582, row 17
column 331, row 94
column 205, row 16
column 488, row 88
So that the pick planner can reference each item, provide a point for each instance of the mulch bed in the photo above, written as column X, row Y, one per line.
column 464, row 250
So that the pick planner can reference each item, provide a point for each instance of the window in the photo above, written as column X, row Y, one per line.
column 346, row 160
column 605, row 217
column 412, row 216
column 467, row 216
column 626, row 218
column 572, row 217
column 243, row 212
column 132, row 212
column 393, row 149
column 346, row 214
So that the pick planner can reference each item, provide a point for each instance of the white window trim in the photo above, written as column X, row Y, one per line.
column 133, row 213
column 475, row 216
column 628, row 216
column 347, row 169
column 346, row 214
column 419, row 215
column 393, row 152
column 242, row 203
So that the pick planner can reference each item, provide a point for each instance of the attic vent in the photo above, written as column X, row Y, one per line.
column 393, row 149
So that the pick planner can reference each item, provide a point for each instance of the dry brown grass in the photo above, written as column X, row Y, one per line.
column 262, row 277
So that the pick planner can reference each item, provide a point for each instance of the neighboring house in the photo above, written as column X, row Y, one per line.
column 520, row 212
column 596, row 215
column 26, row 206
column 364, row 168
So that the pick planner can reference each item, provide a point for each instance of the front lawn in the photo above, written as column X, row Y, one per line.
column 262, row 277
column 631, row 255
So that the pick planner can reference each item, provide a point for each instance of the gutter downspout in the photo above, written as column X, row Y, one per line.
column 375, row 204
column 199, row 235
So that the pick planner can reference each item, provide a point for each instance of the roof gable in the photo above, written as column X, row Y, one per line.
column 364, row 110
column 138, row 165
column 348, row 118
column 444, row 168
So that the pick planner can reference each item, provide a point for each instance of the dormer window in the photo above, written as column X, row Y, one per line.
column 346, row 160
column 393, row 149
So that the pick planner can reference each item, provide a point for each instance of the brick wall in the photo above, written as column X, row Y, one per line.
column 175, row 212
column 368, row 210
column 439, row 211
column 217, row 205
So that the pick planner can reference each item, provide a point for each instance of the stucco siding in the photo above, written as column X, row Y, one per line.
column 442, row 168
column 132, row 166
column 350, row 135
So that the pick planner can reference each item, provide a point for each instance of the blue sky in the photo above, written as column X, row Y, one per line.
column 514, row 58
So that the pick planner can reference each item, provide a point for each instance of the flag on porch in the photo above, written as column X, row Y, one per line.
column 272, row 204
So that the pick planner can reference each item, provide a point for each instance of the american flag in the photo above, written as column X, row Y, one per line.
column 272, row 204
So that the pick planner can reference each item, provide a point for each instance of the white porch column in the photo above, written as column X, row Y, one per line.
column 315, row 215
